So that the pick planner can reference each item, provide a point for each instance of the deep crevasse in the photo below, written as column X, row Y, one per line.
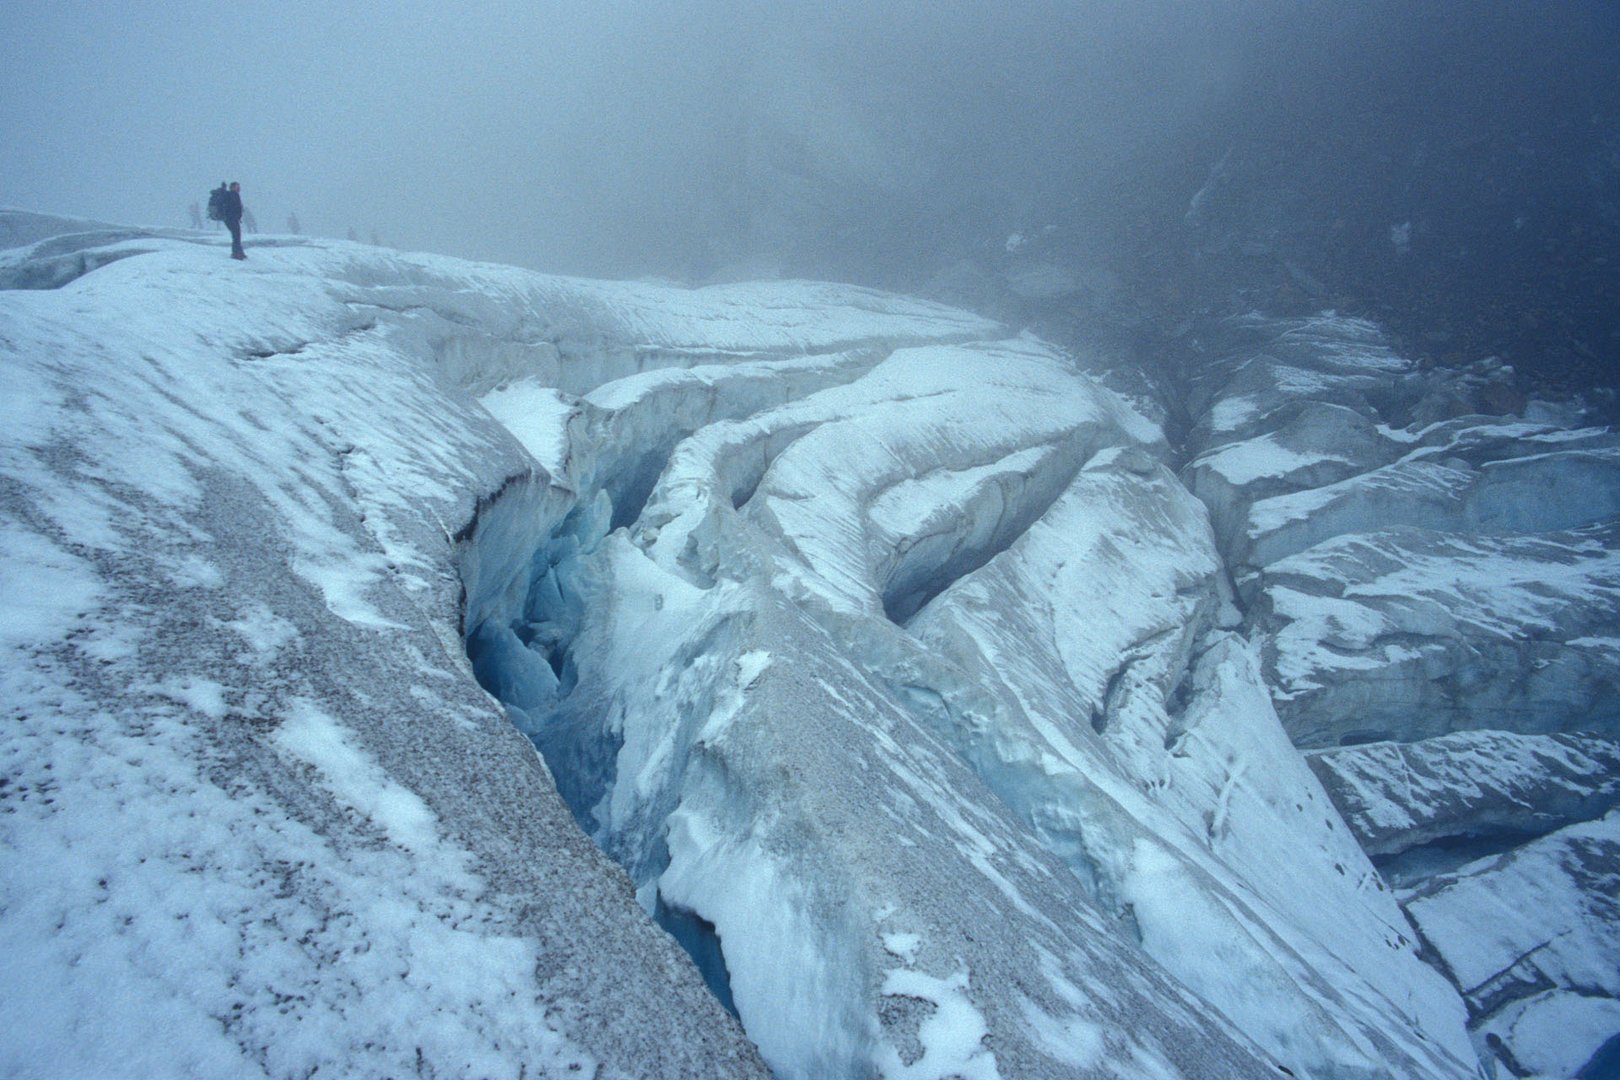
column 725, row 693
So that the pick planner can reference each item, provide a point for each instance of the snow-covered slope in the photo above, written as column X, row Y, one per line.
column 904, row 687
column 1429, row 569
column 255, row 815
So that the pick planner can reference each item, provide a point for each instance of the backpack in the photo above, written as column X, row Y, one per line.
column 216, row 204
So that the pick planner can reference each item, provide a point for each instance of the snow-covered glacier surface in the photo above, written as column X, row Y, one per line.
column 924, row 721
column 1428, row 567
column 256, row 817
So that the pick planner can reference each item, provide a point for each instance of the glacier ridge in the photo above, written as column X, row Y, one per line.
column 928, row 520
column 1427, row 564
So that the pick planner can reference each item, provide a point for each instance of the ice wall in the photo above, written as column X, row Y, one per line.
column 1431, row 581
column 879, row 643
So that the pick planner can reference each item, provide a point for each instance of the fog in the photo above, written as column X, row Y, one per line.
column 593, row 136
column 880, row 141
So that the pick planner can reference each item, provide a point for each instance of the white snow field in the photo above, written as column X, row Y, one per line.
column 902, row 713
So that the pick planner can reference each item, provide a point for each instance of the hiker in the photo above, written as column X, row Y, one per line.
column 292, row 223
column 231, row 214
column 196, row 216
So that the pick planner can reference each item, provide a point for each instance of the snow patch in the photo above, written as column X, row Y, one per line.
column 317, row 739
column 952, row 1037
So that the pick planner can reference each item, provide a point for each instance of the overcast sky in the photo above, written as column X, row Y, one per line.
column 619, row 136
column 519, row 130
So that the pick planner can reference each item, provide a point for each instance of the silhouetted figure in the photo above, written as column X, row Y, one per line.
column 196, row 216
column 292, row 223
column 353, row 235
column 231, row 214
column 248, row 222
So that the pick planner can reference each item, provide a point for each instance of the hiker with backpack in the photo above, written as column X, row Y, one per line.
column 225, row 204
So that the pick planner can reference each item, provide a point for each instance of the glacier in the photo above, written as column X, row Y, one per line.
column 420, row 667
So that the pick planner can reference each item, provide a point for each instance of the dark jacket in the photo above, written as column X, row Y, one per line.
column 232, row 210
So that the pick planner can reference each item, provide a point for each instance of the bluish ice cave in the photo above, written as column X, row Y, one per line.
column 522, row 652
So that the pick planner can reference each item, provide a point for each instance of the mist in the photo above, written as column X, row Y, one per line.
column 594, row 137
column 883, row 142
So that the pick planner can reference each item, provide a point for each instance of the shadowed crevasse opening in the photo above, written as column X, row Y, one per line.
column 697, row 936
column 985, row 519
column 523, row 655
column 1605, row 1064
column 62, row 270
